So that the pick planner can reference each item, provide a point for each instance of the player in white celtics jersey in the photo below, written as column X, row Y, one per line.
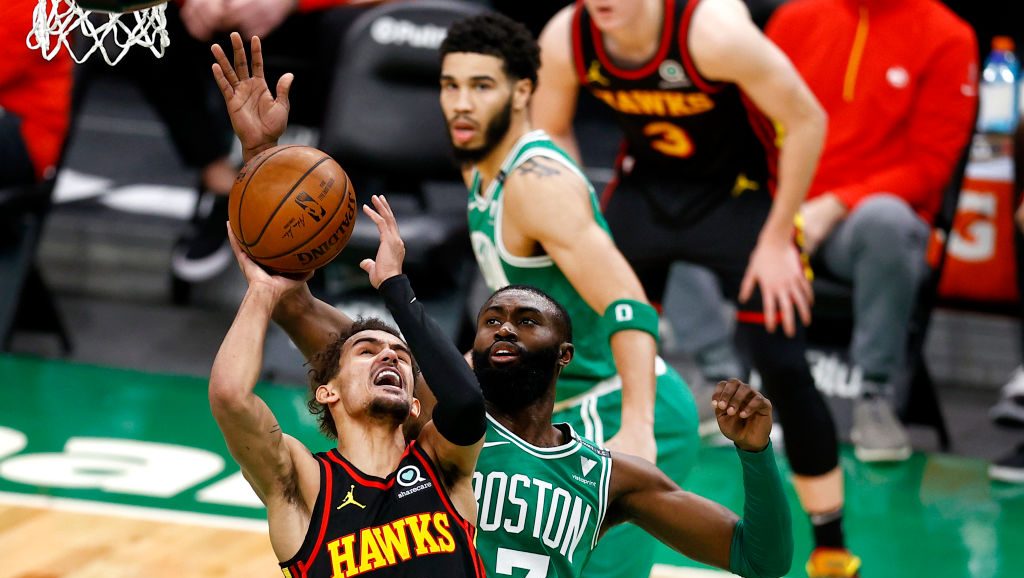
column 545, row 495
column 534, row 220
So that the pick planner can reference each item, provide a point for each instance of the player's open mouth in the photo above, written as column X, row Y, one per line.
column 388, row 377
column 504, row 352
column 463, row 131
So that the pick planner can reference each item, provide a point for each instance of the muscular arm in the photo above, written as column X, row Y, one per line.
column 759, row 546
column 309, row 322
column 727, row 46
column 554, row 102
column 281, row 471
column 546, row 202
column 456, row 433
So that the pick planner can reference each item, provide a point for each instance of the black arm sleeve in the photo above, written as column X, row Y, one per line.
column 459, row 413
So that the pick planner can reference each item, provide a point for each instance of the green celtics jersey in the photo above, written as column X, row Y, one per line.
column 540, row 510
column 593, row 360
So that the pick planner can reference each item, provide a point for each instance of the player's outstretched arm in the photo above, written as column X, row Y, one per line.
column 554, row 102
column 727, row 46
column 279, row 468
column 758, row 546
column 550, row 203
column 455, row 435
column 258, row 118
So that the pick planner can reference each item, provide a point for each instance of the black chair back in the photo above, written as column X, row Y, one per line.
column 383, row 122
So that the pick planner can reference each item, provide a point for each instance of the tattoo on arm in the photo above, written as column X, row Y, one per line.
column 540, row 169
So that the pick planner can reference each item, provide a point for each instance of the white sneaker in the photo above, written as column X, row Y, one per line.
column 877, row 434
column 1009, row 411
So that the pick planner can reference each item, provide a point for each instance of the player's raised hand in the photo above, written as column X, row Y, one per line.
column 744, row 415
column 255, row 275
column 258, row 118
column 777, row 270
column 391, row 252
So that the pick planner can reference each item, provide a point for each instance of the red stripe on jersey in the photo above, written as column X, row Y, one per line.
column 609, row 189
column 358, row 477
column 577, row 42
column 328, row 487
column 698, row 80
column 462, row 522
column 652, row 64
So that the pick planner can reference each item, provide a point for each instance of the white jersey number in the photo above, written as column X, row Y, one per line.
column 488, row 260
column 536, row 565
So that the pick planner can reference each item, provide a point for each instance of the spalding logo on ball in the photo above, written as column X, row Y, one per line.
column 292, row 208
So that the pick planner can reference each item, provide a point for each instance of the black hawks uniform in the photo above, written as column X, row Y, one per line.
column 401, row 526
column 694, row 183
column 697, row 168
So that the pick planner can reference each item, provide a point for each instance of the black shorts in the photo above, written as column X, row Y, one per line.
column 720, row 237
column 15, row 164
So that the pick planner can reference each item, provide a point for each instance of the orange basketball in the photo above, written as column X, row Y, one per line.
column 292, row 208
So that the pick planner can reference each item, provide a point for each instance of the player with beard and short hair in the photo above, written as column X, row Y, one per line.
column 546, row 495
column 342, row 512
column 534, row 219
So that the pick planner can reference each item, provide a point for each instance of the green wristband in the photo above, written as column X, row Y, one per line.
column 627, row 314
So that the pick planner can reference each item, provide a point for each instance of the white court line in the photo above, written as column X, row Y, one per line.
column 133, row 512
column 666, row 571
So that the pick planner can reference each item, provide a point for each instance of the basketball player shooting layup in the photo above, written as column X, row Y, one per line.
column 557, row 501
column 373, row 505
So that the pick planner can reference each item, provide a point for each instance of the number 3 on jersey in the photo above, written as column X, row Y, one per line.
column 536, row 565
column 669, row 139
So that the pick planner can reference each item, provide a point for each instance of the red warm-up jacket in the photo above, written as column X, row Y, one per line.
column 36, row 90
column 898, row 79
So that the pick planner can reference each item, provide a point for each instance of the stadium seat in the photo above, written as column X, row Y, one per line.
column 917, row 401
column 26, row 303
column 384, row 125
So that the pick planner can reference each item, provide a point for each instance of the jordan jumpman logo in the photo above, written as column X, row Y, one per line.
column 350, row 499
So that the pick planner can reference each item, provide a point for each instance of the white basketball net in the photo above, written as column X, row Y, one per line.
column 112, row 34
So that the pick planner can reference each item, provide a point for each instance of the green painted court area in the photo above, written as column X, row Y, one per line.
column 130, row 438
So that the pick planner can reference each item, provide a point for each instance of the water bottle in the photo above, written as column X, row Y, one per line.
column 999, row 107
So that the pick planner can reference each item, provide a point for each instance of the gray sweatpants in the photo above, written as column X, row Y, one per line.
column 880, row 249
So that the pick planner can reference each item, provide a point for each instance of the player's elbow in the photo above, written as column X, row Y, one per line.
column 814, row 117
column 225, row 398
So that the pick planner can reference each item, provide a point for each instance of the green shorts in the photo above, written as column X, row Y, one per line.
column 597, row 415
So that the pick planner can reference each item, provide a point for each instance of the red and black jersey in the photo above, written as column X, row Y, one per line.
column 403, row 525
column 708, row 136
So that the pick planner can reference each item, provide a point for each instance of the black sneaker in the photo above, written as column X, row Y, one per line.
column 1009, row 468
column 204, row 251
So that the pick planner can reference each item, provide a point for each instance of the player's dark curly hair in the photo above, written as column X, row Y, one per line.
column 561, row 315
column 496, row 35
column 325, row 365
